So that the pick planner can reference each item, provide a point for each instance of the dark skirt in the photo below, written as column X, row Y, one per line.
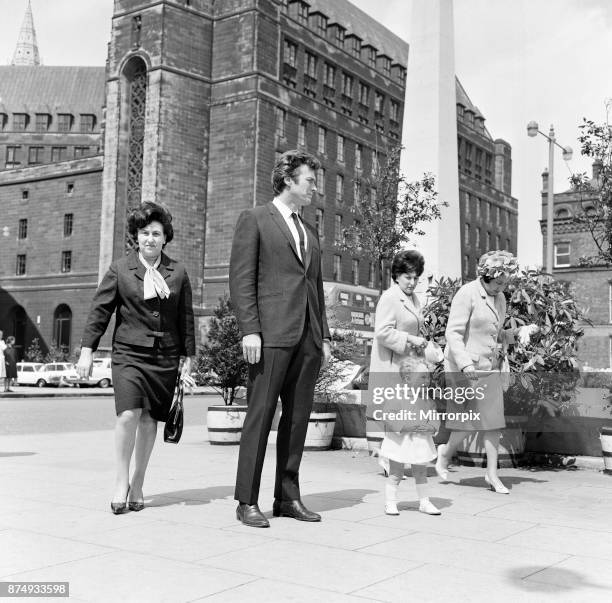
column 144, row 378
column 10, row 361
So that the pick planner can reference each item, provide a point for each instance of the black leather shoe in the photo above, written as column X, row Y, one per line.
column 295, row 509
column 250, row 515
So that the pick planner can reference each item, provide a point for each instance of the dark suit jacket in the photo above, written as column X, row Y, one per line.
column 139, row 321
column 269, row 286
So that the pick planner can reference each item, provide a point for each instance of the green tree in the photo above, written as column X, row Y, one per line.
column 389, row 213
column 220, row 362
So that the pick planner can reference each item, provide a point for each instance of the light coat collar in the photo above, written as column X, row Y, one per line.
column 410, row 302
column 487, row 299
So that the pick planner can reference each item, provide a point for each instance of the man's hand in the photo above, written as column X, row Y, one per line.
column 326, row 353
column 251, row 348
column 83, row 366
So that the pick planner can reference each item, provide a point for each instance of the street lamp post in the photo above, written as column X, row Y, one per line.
column 533, row 130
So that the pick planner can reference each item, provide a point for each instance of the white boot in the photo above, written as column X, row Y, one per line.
column 426, row 506
column 391, row 499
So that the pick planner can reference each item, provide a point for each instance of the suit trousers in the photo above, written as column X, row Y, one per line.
column 291, row 373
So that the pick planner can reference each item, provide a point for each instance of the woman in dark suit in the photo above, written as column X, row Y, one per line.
column 154, row 328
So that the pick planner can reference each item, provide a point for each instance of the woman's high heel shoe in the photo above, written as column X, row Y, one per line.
column 119, row 508
column 135, row 505
column 496, row 486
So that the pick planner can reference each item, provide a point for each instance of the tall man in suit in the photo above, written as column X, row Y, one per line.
column 277, row 292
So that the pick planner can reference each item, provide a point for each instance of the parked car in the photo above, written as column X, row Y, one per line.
column 57, row 373
column 101, row 375
column 28, row 373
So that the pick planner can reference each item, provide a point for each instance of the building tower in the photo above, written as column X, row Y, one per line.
column 26, row 51
column 430, row 128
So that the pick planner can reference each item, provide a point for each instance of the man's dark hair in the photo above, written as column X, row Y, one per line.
column 149, row 212
column 407, row 261
column 288, row 166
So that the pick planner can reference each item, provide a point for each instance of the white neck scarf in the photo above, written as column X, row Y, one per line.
column 154, row 283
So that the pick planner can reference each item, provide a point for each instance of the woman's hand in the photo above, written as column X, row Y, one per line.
column 83, row 366
column 186, row 377
column 416, row 342
column 470, row 372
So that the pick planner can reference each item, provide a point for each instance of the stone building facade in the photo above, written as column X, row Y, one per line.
column 591, row 285
column 197, row 101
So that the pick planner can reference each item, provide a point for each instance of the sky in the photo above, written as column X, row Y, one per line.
column 519, row 60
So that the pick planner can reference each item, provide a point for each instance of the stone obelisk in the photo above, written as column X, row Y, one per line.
column 429, row 135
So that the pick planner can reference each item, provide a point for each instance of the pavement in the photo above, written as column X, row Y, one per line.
column 549, row 540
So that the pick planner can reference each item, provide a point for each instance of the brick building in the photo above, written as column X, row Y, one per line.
column 591, row 285
column 200, row 99
column 489, row 213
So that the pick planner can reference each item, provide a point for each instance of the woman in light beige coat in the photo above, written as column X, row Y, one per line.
column 475, row 341
column 397, row 340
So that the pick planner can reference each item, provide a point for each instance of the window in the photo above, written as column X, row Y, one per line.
column 20, row 268
column 25, row 194
column 478, row 164
column 478, row 236
column 379, row 102
column 466, row 266
column 340, row 149
column 20, row 122
column 69, row 188
column 488, row 208
column 339, row 189
column 467, row 160
column 3, row 121
column 280, row 119
column 35, row 155
column 339, row 35
column 322, row 140
column 80, row 152
column 364, row 93
column 355, row 46
column 302, row 12
column 356, row 193
column 330, row 75
column 321, row 181
column 355, row 272
column 387, row 280
column 62, row 325
column 477, row 207
column 337, row 268
column 338, row 236
column 562, row 213
column 42, row 122
column 394, row 111
column 302, row 133
column 370, row 55
column 310, row 64
column 385, row 63
column 562, row 255
column 347, row 84
column 66, row 261
column 68, row 222
column 466, row 205
column 290, row 53
column 497, row 242
column 58, row 154
column 488, row 241
column 488, row 170
column 466, row 234
column 371, row 275
column 320, row 23
column 374, row 167
column 12, row 157
column 64, row 122
column 88, row 122
column 23, row 229
column 508, row 245
column 319, row 224
column 358, row 154
column 497, row 215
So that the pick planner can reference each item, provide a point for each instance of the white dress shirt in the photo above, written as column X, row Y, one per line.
column 286, row 213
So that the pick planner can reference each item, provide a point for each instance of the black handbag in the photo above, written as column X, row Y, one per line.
column 174, row 425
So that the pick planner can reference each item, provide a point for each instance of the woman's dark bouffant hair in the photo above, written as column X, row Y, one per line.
column 406, row 261
column 149, row 212
column 288, row 165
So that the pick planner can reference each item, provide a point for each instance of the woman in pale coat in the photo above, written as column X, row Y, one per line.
column 475, row 342
column 396, row 339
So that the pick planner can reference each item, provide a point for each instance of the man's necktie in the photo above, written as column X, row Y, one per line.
column 301, row 236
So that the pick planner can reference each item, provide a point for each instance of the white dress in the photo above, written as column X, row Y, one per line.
column 2, row 365
column 398, row 315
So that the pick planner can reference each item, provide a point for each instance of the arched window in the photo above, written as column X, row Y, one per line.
column 135, row 73
column 563, row 213
column 62, row 327
column 18, row 321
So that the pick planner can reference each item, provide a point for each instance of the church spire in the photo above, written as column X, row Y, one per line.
column 26, row 51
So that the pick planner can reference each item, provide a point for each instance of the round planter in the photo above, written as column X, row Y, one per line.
column 320, row 430
column 511, row 445
column 225, row 423
column 605, row 437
